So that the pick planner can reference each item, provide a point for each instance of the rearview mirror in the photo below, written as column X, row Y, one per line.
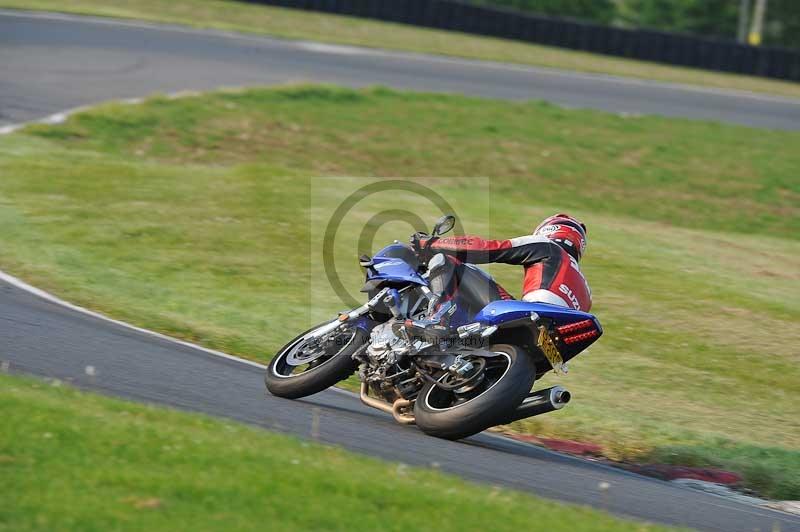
column 444, row 225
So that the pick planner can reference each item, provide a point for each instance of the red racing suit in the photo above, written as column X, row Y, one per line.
column 551, row 274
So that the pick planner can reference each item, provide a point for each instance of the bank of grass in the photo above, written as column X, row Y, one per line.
column 298, row 24
column 76, row 461
column 201, row 217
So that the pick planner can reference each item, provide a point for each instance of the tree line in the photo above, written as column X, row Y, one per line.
column 713, row 18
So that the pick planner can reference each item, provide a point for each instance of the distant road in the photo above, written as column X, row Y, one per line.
column 52, row 62
column 48, row 65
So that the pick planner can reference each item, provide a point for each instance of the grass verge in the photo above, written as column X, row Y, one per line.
column 198, row 217
column 296, row 24
column 76, row 461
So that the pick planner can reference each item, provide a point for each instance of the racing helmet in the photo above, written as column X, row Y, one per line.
column 566, row 231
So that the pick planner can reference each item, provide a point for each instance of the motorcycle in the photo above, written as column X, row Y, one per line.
column 439, row 345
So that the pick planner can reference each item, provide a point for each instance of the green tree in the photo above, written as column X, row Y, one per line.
column 782, row 23
column 701, row 17
column 711, row 18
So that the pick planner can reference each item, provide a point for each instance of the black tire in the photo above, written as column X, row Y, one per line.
column 327, row 371
column 489, row 408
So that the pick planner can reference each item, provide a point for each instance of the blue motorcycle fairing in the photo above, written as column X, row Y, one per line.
column 386, row 267
column 499, row 312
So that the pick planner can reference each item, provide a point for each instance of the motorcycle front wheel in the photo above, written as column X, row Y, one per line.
column 303, row 368
column 507, row 379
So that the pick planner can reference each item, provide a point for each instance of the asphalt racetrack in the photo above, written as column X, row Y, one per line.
column 52, row 63
column 49, row 63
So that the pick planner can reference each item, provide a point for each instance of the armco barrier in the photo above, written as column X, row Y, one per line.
column 648, row 45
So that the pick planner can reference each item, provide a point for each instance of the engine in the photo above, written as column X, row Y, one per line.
column 385, row 366
column 385, row 347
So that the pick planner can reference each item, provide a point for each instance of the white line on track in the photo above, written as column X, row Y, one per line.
column 37, row 292
column 344, row 49
column 22, row 285
column 57, row 118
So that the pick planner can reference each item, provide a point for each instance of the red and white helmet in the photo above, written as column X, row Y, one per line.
column 566, row 231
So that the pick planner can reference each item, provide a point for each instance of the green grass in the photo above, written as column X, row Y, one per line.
column 298, row 24
column 75, row 461
column 203, row 217
column 765, row 468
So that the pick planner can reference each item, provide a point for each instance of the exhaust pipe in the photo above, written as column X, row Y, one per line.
column 403, row 419
column 393, row 409
column 541, row 402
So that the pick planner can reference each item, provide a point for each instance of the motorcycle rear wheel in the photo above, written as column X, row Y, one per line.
column 450, row 415
column 288, row 377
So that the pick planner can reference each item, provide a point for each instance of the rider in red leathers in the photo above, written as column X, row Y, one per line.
column 550, row 257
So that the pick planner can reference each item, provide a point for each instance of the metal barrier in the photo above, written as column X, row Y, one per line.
column 660, row 47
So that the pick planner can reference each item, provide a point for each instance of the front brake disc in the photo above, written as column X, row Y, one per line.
column 303, row 353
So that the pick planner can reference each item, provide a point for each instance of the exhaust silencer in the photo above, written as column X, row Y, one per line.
column 541, row 402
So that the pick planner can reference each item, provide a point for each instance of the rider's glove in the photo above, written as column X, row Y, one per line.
column 418, row 241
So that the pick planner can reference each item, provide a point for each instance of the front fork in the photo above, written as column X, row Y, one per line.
column 347, row 318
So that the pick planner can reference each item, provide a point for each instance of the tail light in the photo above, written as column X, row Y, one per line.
column 580, row 331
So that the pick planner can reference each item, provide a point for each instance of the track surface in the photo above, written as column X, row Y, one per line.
column 48, row 65
column 39, row 337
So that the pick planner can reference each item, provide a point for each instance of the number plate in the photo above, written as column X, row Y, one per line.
column 550, row 350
